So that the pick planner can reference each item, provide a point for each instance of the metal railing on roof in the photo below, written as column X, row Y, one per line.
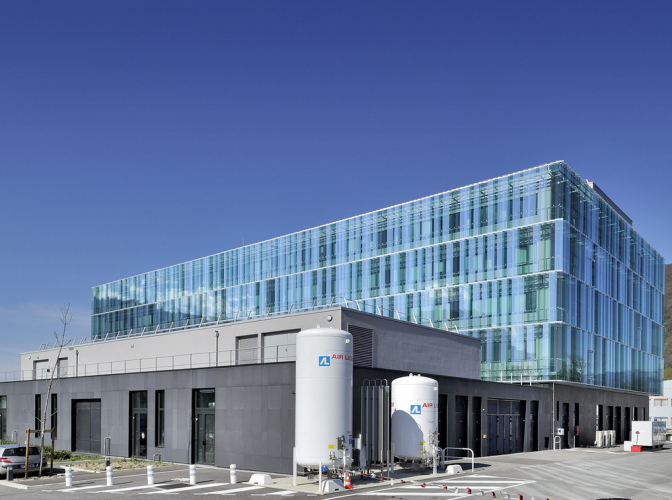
column 68, row 342
column 365, row 305
column 234, row 357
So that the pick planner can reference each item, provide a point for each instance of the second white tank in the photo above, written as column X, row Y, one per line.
column 415, row 402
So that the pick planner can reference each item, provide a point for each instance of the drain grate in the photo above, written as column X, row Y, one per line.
column 172, row 486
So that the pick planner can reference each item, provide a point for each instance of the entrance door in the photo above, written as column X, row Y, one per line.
column 138, row 425
column 204, row 426
column 205, row 439
column 86, row 423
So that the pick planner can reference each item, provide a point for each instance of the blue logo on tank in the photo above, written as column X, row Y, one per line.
column 415, row 409
column 325, row 361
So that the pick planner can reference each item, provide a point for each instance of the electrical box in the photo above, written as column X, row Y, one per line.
column 560, row 431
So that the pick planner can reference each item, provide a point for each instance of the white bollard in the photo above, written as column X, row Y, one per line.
column 233, row 475
column 192, row 474
column 150, row 474
column 110, row 481
column 68, row 477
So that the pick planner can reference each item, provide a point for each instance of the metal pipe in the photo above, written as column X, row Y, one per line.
column 216, row 348
column 294, row 467
column 319, row 479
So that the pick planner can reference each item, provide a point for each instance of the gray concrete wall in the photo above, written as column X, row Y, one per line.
column 396, row 345
column 174, row 349
column 254, row 411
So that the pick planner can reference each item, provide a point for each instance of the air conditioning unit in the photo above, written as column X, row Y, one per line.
column 599, row 439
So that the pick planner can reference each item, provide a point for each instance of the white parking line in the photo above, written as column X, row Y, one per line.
column 232, row 491
column 119, row 490
column 84, row 487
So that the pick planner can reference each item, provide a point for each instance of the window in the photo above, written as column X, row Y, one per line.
column 62, row 369
column 160, row 419
column 660, row 402
column 54, row 414
column 38, row 414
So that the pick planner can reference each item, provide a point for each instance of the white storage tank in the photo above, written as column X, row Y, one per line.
column 323, row 395
column 415, row 404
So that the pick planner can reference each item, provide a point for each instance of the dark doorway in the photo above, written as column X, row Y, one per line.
column 203, row 429
column 505, row 426
column 86, row 425
column 610, row 418
column 534, row 426
column 575, row 431
column 618, row 428
column 565, row 425
column 600, row 417
column 628, row 423
column 461, row 424
column 138, row 427
column 476, row 425
column 443, row 421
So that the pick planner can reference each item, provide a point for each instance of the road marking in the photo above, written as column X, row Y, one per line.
column 231, row 492
column 127, row 489
column 188, row 488
column 285, row 492
column 85, row 487
column 455, row 488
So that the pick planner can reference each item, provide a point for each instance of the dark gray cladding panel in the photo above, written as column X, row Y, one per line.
column 399, row 345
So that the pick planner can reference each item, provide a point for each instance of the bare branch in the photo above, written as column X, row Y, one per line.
column 65, row 319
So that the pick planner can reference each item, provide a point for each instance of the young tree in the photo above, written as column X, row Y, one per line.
column 65, row 318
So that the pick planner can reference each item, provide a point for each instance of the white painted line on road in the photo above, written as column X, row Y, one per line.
column 84, row 487
column 231, row 492
column 188, row 488
column 466, row 481
column 127, row 489
column 285, row 492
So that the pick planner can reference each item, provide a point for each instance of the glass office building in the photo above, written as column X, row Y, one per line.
column 540, row 265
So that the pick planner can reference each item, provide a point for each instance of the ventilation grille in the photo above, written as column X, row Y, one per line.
column 362, row 345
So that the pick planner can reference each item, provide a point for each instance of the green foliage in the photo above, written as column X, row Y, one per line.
column 668, row 372
column 58, row 454
column 79, row 458
column 6, row 441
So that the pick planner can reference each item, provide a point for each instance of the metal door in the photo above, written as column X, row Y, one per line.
column 86, row 432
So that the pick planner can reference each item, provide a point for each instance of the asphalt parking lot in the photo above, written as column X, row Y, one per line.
column 579, row 474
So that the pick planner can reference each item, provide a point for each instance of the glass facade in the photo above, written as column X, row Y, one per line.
column 555, row 283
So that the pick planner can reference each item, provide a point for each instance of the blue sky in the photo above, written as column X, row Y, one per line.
column 136, row 135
